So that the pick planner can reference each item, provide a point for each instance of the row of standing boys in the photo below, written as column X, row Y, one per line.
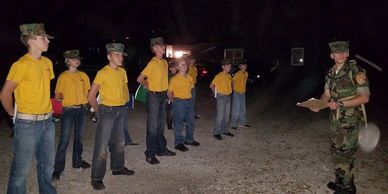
column 34, row 130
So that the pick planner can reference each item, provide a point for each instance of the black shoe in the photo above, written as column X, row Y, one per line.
column 194, row 143
column 219, row 137
column 181, row 147
column 167, row 153
column 152, row 160
column 83, row 165
column 97, row 185
column 235, row 128
column 131, row 144
column 124, row 171
column 245, row 126
column 197, row 117
column 56, row 175
column 229, row 134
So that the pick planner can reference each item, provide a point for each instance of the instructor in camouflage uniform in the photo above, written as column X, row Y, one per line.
column 346, row 91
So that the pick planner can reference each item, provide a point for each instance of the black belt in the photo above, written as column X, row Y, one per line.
column 160, row 93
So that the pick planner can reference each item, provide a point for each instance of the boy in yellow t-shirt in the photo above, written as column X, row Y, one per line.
column 29, row 80
column 154, row 77
column 238, row 105
column 179, row 93
column 222, row 87
column 111, row 83
column 72, row 89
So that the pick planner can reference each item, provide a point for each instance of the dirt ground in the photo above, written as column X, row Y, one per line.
column 285, row 151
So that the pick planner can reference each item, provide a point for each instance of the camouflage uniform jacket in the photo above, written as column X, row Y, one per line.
column 351, row 80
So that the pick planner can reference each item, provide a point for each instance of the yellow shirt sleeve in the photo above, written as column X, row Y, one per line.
column 17, row 72
column 59, row 85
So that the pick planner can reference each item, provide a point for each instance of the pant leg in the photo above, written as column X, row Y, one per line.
column 128, row 139
column 152, row 116
column 118, row 140
column 193, row 98
column 169, row 115
column 225, row 121
column 220, row 114
column 25, row 140
column 45, row 156
column 190, row 121
column 235, row 109
column 344, row 149
column 179, row 116
column 105, row 123
column 162, row 142
column 243, row 111
column 67, row 123
column 79, row 129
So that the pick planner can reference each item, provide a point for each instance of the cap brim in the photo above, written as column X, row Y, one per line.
column 48, row 36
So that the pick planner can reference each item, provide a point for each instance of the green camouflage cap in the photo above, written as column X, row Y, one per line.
column 34, row 29
column 118, row 47
column 71, row 54
column 339, row 46
column 157, row 40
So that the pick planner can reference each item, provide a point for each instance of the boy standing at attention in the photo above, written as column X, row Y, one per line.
column 179, row 93
column 111, row 82
column 34, row 130
column 222, row 88
column 154, row 77
column 72, row 89
column 238, row 106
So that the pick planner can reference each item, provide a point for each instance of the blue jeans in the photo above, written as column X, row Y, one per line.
column 109, row 133
column 156, row 112
column 193, row 96
column 183, row 111
column 32, row 137
column 238, row 109
column 70, row 117
column 128, row 139
column 223, row 111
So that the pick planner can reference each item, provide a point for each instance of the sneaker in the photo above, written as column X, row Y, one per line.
column 83, row 165
column 125, row 171
column 229, row 134
column 167, row 153
column 131, row 144
column 235, row 128
column 152, row 160
column 181, row 147
column 56, row 175
column 219, row 137
column 97, row 185
column 245, row 126
column 197, row 117
column 194, row 143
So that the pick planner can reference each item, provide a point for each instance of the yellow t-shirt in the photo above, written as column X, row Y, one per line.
column 223, row 83
column 181, row 86
column 156, row 72
column 193, row 72
column 74, row 87
column 113, row 86
column 240, row 81
column 32, row 93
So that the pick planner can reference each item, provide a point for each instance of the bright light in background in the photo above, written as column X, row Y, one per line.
column 301, row 60
column 178, row 54
column 258, row 76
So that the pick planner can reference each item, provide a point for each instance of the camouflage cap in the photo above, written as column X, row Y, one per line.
column 227, row 62
column 157, row 40
column 118, row 47
column 71, row 54
column 242, row 62
column 35, row 29
column 339, row 46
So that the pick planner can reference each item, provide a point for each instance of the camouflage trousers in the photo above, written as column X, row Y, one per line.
column 344, row 148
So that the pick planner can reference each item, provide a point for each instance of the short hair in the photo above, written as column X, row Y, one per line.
column 178, row 60
column 24, row 39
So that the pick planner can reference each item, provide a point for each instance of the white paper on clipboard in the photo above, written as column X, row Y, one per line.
column 98, row 102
